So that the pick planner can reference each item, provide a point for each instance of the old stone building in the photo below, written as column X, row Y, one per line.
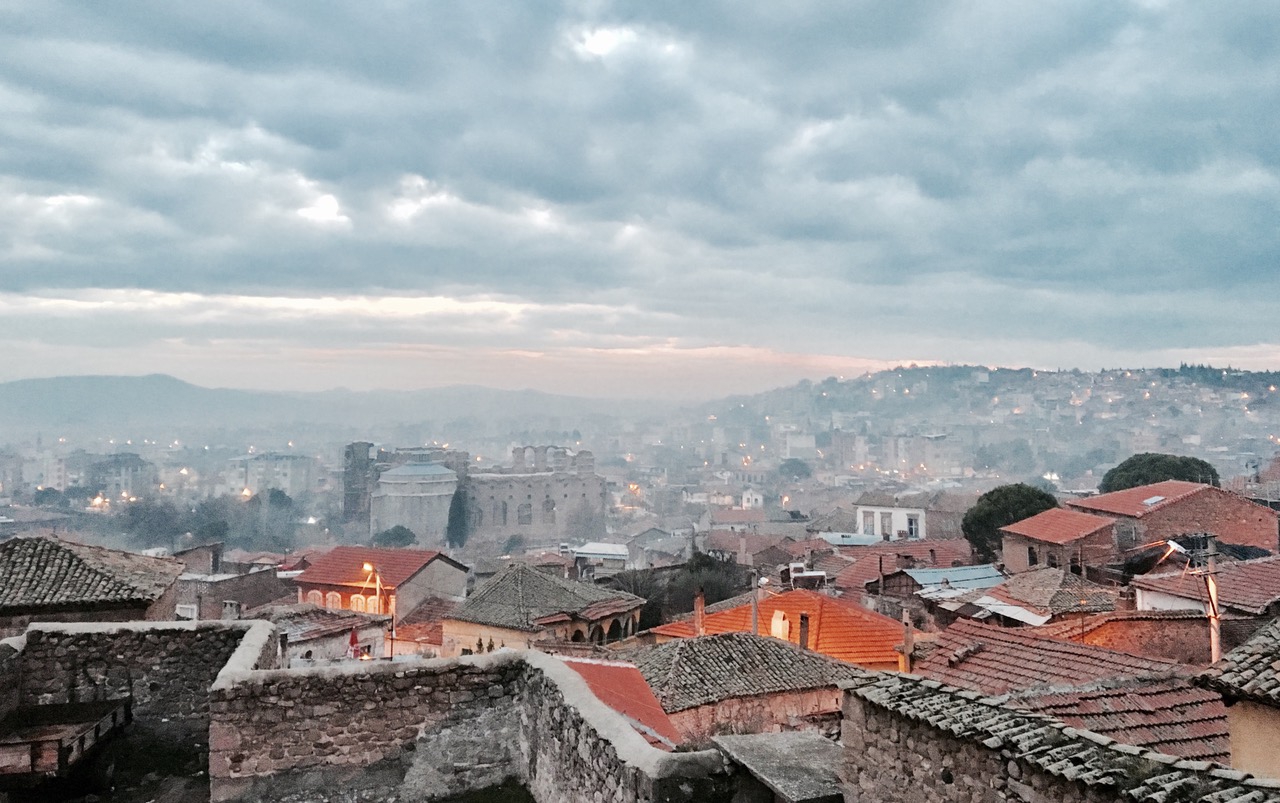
column 416, row 496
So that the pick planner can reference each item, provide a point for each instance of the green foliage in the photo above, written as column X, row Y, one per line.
column 794, row 469
column 456, row 531
column 644, row 583
column 998, row 508
column 153, row 524
column 717, row 579
column 48, row 497
column 1014, row 457
column 1150, row 467
column 397, row 537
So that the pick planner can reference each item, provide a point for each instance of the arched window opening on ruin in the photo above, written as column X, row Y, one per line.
column 333, row 600
column 477, row 517
column 357, row 603
column 577, row 637
column 615, row 631
column 315, row 598
column 597, row 635
column 524, row 513
column 307, row 655
column 549, row 511
column 500, row 514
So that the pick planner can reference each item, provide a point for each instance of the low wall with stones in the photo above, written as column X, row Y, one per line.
column 422, row 730
column 167, row 667
column 912, row 740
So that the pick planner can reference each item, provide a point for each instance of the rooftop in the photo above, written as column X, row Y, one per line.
column 344, row 566
column 985, row 575
column 1052, row 591
column 686, row 673
column 518, row 596
column 622, row 687
column 1249, row 671
column 419, row 470
column 996, row 660
column 304, row 622
column 837, row 628
column 869, row 562
column 1059, row 526
column 44, row 572
column 797, row 766
column 1250, row 586
column 1138, row 502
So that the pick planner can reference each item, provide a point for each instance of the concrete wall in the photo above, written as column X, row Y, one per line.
column 814, row 709
column 250, row 590
column 417, row 731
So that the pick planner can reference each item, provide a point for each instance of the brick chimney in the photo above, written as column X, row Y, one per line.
column 804, row 631
column 699, row 613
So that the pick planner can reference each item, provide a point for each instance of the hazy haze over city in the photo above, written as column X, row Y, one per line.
column 657, row 199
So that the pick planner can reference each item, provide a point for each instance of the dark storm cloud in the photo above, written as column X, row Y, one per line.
column 1092, row 180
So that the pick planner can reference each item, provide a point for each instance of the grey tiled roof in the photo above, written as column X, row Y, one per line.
column 47, row 572
column 1075, row 754
column 1250, row 670
column 686, row 673
column 519, row 594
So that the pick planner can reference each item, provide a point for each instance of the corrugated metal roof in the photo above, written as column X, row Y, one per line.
column 984, row 575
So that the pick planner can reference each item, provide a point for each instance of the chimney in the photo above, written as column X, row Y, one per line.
column 230, row 609
column 743, row 558
column 699, row 613
column 804, row 631
column 908, row 642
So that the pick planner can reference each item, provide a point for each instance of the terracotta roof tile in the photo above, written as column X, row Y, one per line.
column 866, row 559
column 44, row 572
column 1251, row 586
column 622, row 687
column 1168, row 715
column 519, row 595
column 1058, row 526
column 690, row 672
column 837, row 628
column 424, row 623
column 344, row 566
column 995, row 660
column 1132, row 501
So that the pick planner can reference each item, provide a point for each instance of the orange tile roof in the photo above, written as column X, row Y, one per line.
column 995, row 660
column 1058, row 526
column 620, row 686
column 344, row 566
column 837, row 627
column 866, row 565
column 1130, row 502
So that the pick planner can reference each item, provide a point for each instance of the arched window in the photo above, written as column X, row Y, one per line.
column 549, row 511
column 477, row 517
column 357, row 603
column 524, row 513
column 315, row 597
column 373, row 604
column 333, row 600
column 500, row 514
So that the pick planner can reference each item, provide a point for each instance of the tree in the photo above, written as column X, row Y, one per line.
column 397, row 537
column 647, row 584
column 998, row 508
column 794, row 469
column 1150, row 467
column 456, row 533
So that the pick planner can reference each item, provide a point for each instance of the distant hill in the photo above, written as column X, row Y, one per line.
column 79, row 402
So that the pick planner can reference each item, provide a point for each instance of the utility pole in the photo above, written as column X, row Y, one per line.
column 755, row 601
column 1211, row 586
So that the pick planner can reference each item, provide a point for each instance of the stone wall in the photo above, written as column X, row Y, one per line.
column 911, row 740
column 1234, row 519
column 811, row 709
column 9, row 676
column 427, row 729
column 167, row 667
column 250, row 590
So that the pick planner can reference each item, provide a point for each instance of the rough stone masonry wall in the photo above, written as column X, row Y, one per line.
column 167, row 667
column 892, row 758
column 423, row 730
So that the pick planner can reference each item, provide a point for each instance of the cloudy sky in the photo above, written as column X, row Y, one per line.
column 664, row 198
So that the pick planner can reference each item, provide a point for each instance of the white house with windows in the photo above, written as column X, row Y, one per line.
column 889, row 522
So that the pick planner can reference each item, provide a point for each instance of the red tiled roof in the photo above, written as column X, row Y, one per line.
column 424, row 623
column 344, row 566
column 995, row 660
column 866, row 566
column 1131, row 502
column 1168, row 715
column 1074, row 628
column 729, row 541
column 1251, row 586
column 621, row 687
column 837, row 628
column 1058, row 526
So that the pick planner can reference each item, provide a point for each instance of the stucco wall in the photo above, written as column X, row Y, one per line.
column 1255, row 732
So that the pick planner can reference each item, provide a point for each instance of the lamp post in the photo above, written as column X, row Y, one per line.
column 377, row 578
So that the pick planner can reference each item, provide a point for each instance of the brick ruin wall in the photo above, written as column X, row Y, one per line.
column 1183, row 640
column 166, row 667
column 809, row 710
column 1233, row 519
column 422, row 730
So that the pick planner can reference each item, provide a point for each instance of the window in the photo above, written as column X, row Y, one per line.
column 187, row 612
column 868, row 523
column 1032, row 557
column 1052, row 560
column 357, row 603
column 373, row 604
column 549, row 511
column 913, row 525
column 524, row 513
column 333, row 600
column 315, row 598
column 500, row 514
column 779, row 627
column 886, row 524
